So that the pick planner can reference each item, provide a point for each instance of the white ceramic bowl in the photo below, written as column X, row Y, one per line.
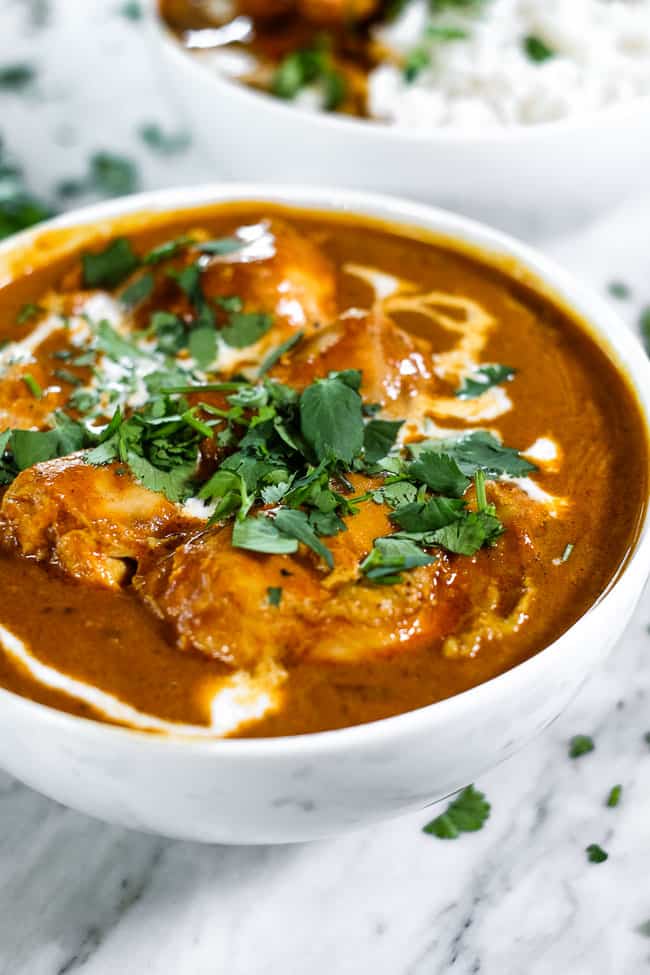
column 289, row 789
column 545, row 177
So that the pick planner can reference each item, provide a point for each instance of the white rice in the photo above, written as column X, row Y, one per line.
column 601, row 57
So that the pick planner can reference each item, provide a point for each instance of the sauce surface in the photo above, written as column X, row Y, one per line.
column 143, row 605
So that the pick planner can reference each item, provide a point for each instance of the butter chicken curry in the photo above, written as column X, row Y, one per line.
column 269, row 471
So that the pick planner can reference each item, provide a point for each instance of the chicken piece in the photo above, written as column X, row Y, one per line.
column 337, row 13
column 394, row 364
column 92, row 522
column 292, row 279
column 216, row 597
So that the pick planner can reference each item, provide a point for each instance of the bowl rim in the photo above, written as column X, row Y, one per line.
column 599, row 317
column 374, row 129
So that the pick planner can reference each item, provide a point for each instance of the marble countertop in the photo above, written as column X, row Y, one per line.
column 518, row 898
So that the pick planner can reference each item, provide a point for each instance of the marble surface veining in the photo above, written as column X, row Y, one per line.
column 518, row 898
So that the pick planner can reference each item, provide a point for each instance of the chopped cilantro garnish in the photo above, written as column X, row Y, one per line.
column 416, row 62
column 331, row 420
column 466, row 814
column 114, row 345
column 245, row 328
column 276, row 354
column 596, row 854
column 379, row 437
column 537, row 49
column 166, row 250
column 165, row 143
column 306, row 67
column 390, row 556
column 440, row 473
column 484, row 378
column 109, row 267
column 295, row 524
column 202, row 344
column 138, row 290
column 274, row 595
column 614, row 796
column 32, row 385
column 222, row 245
column 260, row 535
column 580, row 745
column 568, row 551
column 480, row 449
column 27, row 312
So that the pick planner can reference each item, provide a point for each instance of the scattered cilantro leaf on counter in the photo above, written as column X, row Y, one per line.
column 466, row 814
column 276, row 354
column 596, row 854
column 620, row 290
column 274, row 595
column 331, row 420
column 112, row 175
column 614, row 796
column 245, row 328
column 109, row 267
column 164, row 143
column 644, row 326
column 16, row 77
column 19, row 209
column 646, row 738
column 537, row 49
column 581, row 745
column 483, row 378
column 27, row 312
column 131, row 10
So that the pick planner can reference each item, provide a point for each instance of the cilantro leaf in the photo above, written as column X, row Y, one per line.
column 223, row 245
column 379, row 437
column 466, row 814
column 428, row 516
column 596, row 854
column 440, row 473
column 203, row 345
column 644, row 325
column 470, row 533
column 274, row 595
column 331, row 420
column 31, row 447
column 614, row 796
column 482, row 379
column 581, row 745
column 109, row 267
column 245, row 328
column 295, row 524
column 260, row 535
column 175, row 484
column 166, row 250
column 138, row 290
column 390, row 556
column 537, row 49
column 115, row 346
column 27, row 312
column 478, row 450
column 276, row 354
column 326, row 523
